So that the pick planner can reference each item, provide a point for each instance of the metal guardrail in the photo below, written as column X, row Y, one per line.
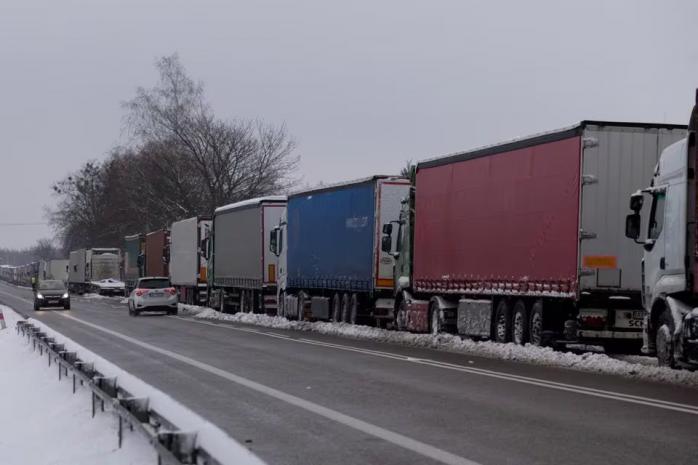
column 172, row 445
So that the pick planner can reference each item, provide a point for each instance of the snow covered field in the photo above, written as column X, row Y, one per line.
column 629, row 366
column 42, row 422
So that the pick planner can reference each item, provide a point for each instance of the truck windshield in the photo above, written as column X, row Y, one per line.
column 153, row 284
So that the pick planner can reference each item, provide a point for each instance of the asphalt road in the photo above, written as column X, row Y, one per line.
column 303, row 398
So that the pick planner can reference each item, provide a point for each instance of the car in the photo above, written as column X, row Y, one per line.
column 51, row 293
column 153, row 294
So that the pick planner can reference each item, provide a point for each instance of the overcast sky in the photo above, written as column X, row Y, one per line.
column 362, row 85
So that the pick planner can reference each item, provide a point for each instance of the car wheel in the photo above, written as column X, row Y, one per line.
column 665, row 341
column 36, row 306
column 66, row 307
column 502, row 322
column 519, row 324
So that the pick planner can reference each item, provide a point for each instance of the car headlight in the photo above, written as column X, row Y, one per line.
column 39, row 296
column 65, row 296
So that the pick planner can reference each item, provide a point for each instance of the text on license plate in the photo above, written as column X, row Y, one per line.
column 629, row 319
column 155, row 294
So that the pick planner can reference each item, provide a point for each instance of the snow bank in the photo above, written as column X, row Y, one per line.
column 44, row 422
column 209, row 436
column 629, row 366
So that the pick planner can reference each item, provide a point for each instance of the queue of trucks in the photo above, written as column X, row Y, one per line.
column 523, row 242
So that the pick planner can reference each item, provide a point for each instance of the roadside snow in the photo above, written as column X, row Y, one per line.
column 92, row 296
column 226, row 450
column 635, row 367
column 42, row 421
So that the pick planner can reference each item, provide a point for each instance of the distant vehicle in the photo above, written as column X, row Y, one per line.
column 51, row 293
column 95, row 270
column 188, row 263
column 153, row 294
column 134, row 260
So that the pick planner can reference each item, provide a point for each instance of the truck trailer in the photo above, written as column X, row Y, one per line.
column 330, row 262
column 96, row 270
column 188, row 263
column 134, row 260
column 523, row 241
column 54, row 269
column 243, row 273
column 669, row 235
column 157, row 253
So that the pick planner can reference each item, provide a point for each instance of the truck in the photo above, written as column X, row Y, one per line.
column 96, row 270
column 666, row 228
column 523, row 241
column 134, row 260
column 157, row 253
column 242, row 270
column 54, row 269
column 331, row 266
column 188, row 263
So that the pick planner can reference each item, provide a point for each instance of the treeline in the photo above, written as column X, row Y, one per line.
column 44, row 249
column 183, row 161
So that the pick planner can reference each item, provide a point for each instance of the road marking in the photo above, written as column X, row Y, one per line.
column 400, row 440
column 613, row 395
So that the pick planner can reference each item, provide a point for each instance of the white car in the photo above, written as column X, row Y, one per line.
column 153, row 294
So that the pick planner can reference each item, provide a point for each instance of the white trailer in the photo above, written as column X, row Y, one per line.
column 95, row 270
column 188, row 263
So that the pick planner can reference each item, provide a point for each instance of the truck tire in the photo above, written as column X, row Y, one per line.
column 221, row 302
column 435, row 325
column 401, row 316
column 281, row 305
column 353, row 309
column 535, row 324
column 345, row 307
column 502, row 322
column 300, row 311
column 336, row 308
column 519, row 323
column 665, row 341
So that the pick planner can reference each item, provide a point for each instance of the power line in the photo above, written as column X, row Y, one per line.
column 22, row 224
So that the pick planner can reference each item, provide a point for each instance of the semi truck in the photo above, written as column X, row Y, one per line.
column 666, row 228
column 134, row 260
column 331, row 266
column 188, row 264
column 242, row 270
column 157, row 253
column 96, row 270
column 524, row 241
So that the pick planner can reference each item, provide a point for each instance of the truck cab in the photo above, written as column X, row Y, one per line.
column 664, row 223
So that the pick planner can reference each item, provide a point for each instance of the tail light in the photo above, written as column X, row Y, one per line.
column 140, row 292
column 171, row 291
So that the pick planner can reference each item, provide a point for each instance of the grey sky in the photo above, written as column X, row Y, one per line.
column 362, row 85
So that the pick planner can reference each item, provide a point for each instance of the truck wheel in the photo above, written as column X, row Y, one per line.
column 665, row 341
column 401, row 316
column 345, row 308
column 435, row 319
column 502, row 322
column 519, row 326
column 221, row 302
column 336, row 308
column 353, row 309
column 281, row 305
column 535, row 324
column 300, row 313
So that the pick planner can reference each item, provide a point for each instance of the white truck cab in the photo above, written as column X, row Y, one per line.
column 664, row 223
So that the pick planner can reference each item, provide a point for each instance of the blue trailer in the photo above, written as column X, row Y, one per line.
column 332, row 267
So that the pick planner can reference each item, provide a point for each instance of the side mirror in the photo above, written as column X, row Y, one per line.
column 388, row 229
column 386, row 242
column 636, row 201
column 632, row 226
column 273, row 241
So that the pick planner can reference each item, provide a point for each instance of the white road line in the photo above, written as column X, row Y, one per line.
column 400, row 440
column 639, row 400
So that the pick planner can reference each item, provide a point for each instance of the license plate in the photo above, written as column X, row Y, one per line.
column 52, row 301
column 629, row 319
column 155, row 294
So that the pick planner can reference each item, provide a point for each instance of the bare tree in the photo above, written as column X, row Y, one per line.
column 407, row 169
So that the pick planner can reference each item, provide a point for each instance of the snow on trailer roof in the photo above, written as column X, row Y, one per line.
column 345, row 183
column 535, row 139
column 248, row 202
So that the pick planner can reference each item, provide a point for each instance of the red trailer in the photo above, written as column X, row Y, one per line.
column 157, row 251
column 524, row 241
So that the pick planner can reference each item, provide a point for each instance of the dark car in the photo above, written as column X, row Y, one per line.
column 51, row 293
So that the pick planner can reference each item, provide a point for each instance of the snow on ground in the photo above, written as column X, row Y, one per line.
column 209, row 436
column 636, row 367
column 43, row 422
column 91, row 295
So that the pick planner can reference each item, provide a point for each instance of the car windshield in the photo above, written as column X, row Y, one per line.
column 51, row 285
column 154, row 283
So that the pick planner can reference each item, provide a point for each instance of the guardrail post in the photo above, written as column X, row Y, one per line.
column 181, row 444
